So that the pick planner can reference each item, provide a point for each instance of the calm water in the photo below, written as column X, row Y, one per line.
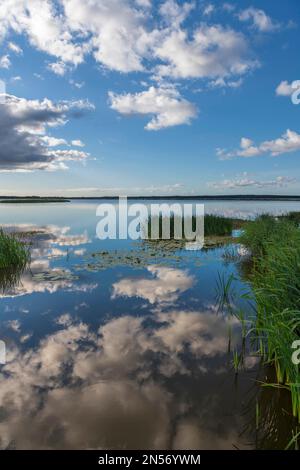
column 120, row 344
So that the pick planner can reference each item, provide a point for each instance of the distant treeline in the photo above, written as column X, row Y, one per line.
column 21, row 200
column 239, row 197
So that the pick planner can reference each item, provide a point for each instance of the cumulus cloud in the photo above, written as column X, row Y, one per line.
column 164, row 103
column 77, row 143
column 97, row 382
column 17, row 78
column 229, row 7
column 245, row 182
column 24, row 142
column 122, row 36
column 59, row 68
column 288, row 142
column 222, row 83
column 125, row 36
column 260, row 20
column 44, row 26
column 5, row 62
column 165, row 287
column 208, row 9
column 174, row 14
column 213, row 51
column 119, row 39
column 15, row 48
column 287, row 89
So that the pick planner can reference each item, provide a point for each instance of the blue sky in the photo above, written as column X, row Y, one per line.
column 114, row 97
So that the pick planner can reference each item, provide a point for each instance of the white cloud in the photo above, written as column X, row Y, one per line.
column 288, row 142
column 287, row 89
column 44, row 26
column 143, row 3
column 260, row 20
column 17, row 78
column 77, row 143
column 24, row 143
column 166, row 189
column 5, row 62
column 164, row 103
column 122, row 36
column 119, row 39
column 165, row 287
column 222, row 83
column 174, row 14
column 209, row 9
column 59, row 68
column 53, row 141
column 246, row 182
column 76, row 84
column 229, row 7
column 213, row 51
column 15, row 48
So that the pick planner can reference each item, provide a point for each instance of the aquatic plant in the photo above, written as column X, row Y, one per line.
column 275, row 280
column 225, row 294
column 14, row 257
column 13, row 252
column 213, row 225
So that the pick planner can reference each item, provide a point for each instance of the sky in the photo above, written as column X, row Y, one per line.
column 149, row 97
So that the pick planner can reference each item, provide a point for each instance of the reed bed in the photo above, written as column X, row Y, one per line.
column 275, row 280
column 213, row 225
column 13, row 252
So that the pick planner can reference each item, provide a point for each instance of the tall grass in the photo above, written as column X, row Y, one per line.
column 275, row 279
column 213, row 225
column 13, row 253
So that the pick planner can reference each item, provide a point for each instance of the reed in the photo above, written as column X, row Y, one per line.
column 275, row 280
column 13, row 252
column 213, row 225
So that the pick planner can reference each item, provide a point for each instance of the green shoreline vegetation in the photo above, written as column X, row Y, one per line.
column 33, row 200
column 13, row 252
column 274, row 244
column 14, row 258
column 214, row 225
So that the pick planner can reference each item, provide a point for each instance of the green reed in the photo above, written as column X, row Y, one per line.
column 275, row 280
column 213, row 225
column 13, row 252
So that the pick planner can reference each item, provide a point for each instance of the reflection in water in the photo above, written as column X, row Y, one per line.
column 167, row 285
column 46, row 243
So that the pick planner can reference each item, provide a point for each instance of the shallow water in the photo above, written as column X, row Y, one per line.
column 120, row 344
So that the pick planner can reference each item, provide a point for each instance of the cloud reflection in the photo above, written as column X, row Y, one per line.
column 165, row 286
column 113, row 388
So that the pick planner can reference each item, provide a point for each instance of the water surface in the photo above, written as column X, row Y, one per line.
column 121, row 344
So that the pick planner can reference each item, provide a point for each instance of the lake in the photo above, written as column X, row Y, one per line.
column 121, row 344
